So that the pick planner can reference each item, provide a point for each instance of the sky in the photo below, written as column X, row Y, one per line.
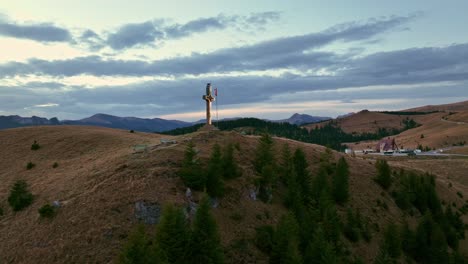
column 268, row 59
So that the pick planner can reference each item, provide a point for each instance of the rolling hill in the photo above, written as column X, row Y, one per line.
column 101, row 182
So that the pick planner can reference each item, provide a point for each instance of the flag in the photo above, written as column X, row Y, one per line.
column 216, row 91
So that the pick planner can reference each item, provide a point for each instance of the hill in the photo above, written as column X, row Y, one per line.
column 300, row 119
column 129, row 123
column 102, row 183
column 453, row 107
column 370, row 122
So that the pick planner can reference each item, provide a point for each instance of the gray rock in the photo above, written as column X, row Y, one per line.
column 148, row 212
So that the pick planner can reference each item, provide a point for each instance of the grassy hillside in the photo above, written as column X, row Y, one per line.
column 99, row 180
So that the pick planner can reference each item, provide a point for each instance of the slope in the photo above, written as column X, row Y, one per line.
column 100, row 180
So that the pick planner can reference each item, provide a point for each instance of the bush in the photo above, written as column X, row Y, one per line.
column 47, row 211
column 30, row 165
column 35, row 146
column 55, row 165
column 132, row 131
column 20, row 197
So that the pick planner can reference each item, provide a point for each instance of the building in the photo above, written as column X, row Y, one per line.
column 386, row 145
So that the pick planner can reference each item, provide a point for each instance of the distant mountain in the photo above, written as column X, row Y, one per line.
column 345, row 115
column 300, row 119
column 129, row 123
column 18, row 121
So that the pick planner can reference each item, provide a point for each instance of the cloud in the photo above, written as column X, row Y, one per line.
column 281, row 53
column 46, row 105
column 149, row 32
column 131, row 35
column 42, row 32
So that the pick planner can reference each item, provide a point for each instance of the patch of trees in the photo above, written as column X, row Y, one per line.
column 176, row 241
column 312, row 230
column 329, row 134
column 221, row 165
column 437, row 230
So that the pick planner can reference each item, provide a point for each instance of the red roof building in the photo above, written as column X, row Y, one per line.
column 386, row 144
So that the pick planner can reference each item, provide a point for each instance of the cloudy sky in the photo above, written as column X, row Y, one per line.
column 268, row 59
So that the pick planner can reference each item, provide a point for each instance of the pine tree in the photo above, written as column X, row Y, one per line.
column 264, row 153
column 20, row 197
column 230, row 168
column 172, row 235
column 214, row 181
column 137, row 249
column 286, row 242
column 286, row 164
column 302, row 174
column 383, row 178
column 340, row 183
column 265, row 184
column 320, row 250
column 191, row 171
column 205, row 245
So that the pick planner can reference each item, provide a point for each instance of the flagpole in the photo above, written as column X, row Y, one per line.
column 217, row 120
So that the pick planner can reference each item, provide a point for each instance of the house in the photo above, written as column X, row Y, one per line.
column 386, row 145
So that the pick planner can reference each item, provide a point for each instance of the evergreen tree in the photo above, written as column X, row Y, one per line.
column 320, row 183
column 285, row 242
column 302, row 174
column 392, row 241
column 265, row 184
column 383, row 178
column 172, row 235
column 286, row 164
column 205, row 246
column 214, row 182
column 230, row 168
column 319, row 250
column 264, row 153
column 20, row 197
column 191, row 171
column 340, row 183
column 137, row 249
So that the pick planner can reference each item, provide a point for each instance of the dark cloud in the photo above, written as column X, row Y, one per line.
column 149, row 32
column 282, row 53
column 131, row 35
column 42, row 32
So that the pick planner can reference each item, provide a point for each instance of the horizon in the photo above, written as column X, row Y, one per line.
column 152, row 59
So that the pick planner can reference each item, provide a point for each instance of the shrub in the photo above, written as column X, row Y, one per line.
column 132, row 131
column 30, row 165
column 55, row 165
column 20, row 197
column 47, row 211
column 35, row 146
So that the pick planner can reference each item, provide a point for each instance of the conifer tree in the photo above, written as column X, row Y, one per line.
column 264, row 153
column 172, row 235
column 137, row 249
column 265, row 184
column 340, row 183
column 214, row 181
column 320, row 250
column 383, row 178
column 205, row 245
column 286, row 164
column 191, row 171
column 286, row 242
column 20, row 197
column 302, row 174
column 230, row 168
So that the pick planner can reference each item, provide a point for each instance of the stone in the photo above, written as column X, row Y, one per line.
column 148, row 212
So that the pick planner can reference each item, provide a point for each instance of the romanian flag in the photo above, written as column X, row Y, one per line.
column 216, row 91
